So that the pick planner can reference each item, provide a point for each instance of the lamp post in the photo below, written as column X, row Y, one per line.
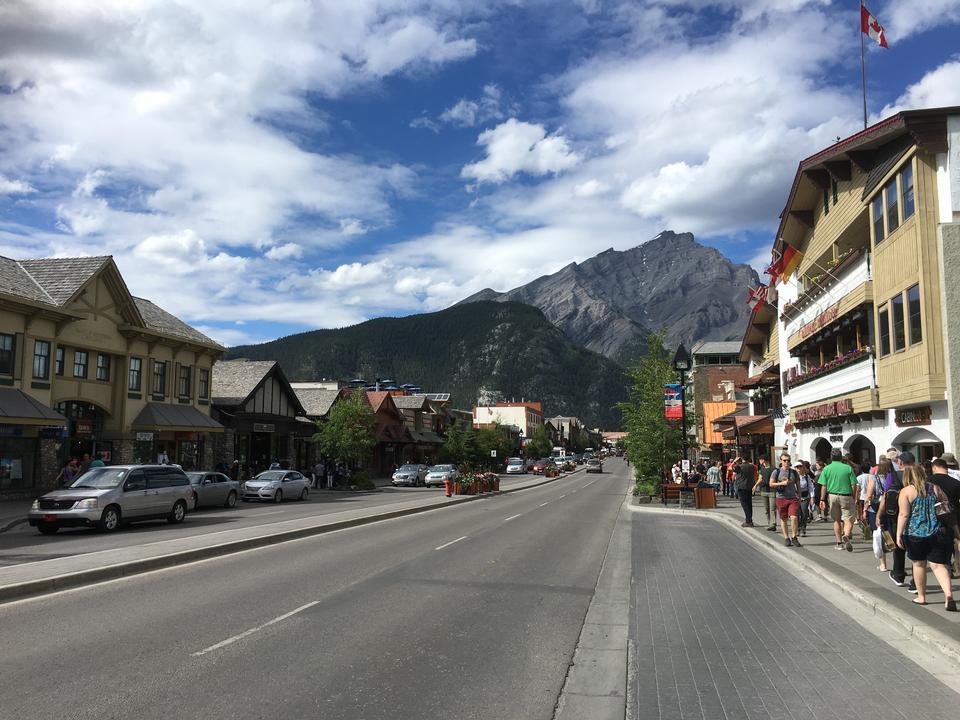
column 681, row 363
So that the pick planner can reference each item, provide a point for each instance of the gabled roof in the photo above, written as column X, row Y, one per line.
column 316, row 401
column 62, row 278
column 714, row 347
column 159, row 320
column 411, row 402
column 15, row 280
column 234, row 380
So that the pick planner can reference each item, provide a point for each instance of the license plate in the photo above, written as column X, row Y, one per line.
column 50, row 518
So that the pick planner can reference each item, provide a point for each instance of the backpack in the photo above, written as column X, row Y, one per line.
column 923, row 521
column 891, row 495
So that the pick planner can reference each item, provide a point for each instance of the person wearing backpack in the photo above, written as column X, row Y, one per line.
column 950, row 486
column 785, row 481
column 924, row 536
column 883, row 480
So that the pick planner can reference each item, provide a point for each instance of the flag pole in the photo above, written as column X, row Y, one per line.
column 863, row 67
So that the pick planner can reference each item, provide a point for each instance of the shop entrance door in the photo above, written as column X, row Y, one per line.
column 261, row 451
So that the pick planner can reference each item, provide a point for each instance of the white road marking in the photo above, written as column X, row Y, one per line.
column 589, row 484
column 544, row 504
column 451, row 542
column 251, row 631
column 562, row 496
column 512, row 517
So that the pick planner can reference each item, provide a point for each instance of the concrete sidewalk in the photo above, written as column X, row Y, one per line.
column 45, row 576
column 855, row 574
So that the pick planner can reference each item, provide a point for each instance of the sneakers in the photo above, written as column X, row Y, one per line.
column 838, row 546
column 847, row 545
column 787, row 542
column 898, row 583
column 746, row 524
column 772, row 528
column 796, row 542
column 913, row 588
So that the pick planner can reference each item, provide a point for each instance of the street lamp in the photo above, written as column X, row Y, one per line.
column 681, row 363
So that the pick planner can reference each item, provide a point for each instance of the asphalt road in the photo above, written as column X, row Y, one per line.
column 472, row 611
column 23, row 543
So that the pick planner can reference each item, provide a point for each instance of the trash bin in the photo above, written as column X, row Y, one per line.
column 705, row 497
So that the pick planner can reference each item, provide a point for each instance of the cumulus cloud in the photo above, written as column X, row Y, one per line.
column 903, row 18
column 520, row 147
column 287, row 251
column 14, row 187
column 938, row 88
column 468, row 113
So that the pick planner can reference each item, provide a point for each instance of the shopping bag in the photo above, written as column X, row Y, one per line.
column 878, row 543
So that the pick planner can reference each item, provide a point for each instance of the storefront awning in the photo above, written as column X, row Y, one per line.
column 749, row 425
column 176, row 418
column 764, row 379
column 427, row 437
column 18, row 408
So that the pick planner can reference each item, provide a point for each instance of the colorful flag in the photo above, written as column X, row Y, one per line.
column 672, row 402
column 758, row 296
column 871, row 27
column 791, row 259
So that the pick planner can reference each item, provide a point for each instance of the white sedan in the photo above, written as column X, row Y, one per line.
column 275, row 486
column 412, row 475
column 516, row 466
column 438, row 474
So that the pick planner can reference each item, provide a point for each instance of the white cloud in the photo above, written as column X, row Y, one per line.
column 520, row 147
column 468, row 113
column 591, row 187
column 351, row 226
column 287, row 251
column 14, row 187
column 938, row 88
column 903, row 18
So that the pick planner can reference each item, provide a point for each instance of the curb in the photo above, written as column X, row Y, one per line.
column 44, row 586
column 928, row 635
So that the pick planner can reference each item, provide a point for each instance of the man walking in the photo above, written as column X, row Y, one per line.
column 767, row 496
column 785, row 482
column 942, row 478
column 838, row 484
column 746, row 474
column 714, row 475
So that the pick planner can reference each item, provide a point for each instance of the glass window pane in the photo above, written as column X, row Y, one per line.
column 79, row 363
column 41, row 359
column 878, row 233
column 899, row 329
column 906, row 191
column 135, row 367
column 913, row 308
column 883, row 330
column 58, row 361
column 893, row 217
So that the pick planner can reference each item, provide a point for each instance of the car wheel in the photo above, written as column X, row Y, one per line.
column 231, row 500
column 196, row 502
column 278, row 497
column 178, row 513
column 303, row 494
column 47, row 528
column 110, row 520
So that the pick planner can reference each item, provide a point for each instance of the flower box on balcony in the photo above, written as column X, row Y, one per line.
column 823, row 281
column 828, row 367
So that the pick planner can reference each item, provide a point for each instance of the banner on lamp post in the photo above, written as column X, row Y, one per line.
column 672, row 405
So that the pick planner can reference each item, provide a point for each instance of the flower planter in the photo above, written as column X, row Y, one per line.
column 642, row 499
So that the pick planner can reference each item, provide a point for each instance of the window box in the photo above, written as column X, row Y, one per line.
column 828, row 367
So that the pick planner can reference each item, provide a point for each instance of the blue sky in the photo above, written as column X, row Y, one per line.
column 291, row 165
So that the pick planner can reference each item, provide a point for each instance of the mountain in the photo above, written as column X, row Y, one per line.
column 489, row 350
column 611, row 302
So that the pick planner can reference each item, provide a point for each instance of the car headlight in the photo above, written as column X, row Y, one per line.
column 36, row 505
column 86, row 504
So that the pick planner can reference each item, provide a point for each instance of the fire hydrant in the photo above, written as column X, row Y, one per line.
column 448, row 486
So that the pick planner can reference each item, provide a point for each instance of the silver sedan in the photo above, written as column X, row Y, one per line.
column 275, row 486
column 213, row 488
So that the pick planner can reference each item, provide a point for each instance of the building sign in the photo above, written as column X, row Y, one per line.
column 672, row 405
column 50, row 432
column 837, row 408
column 83, row 427
column 821, row 320
column 264, row 427
column 144, row 437
column 914, row 416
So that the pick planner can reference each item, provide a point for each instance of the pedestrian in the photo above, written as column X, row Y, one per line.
column 84, row 463
column 951, row 462
column 235, row 471
column 98, row 461
column 715, row 475
column 729, row 489
column 767, row 496
column 921, row 535
column 746, row 474
column 950, row 486
column 68, row 473
column 882, row 480
column 785, row 482
column 331, row 475
column 808, row 491
column 838, row 487
column 863, row 481
column 162, row 457
column 676, row 473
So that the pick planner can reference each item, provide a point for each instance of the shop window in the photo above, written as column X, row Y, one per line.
column 103, row 366
column 883, row 328
column 906, row 191
column 204, row 382
column 41, row 359
column 159, row 377
column 893, row 216
column 80, row 363
column 183, row 381
column 877, row 210
column 58, row 361
column 135, row 379
column 899, row 328
column 7, row 345
column 913, row 312
column 17, row 458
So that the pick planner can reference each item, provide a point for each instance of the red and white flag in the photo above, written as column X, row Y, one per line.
column 758, row 296
column 871, row 27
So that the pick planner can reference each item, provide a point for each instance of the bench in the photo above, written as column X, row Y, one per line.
column 672, row 491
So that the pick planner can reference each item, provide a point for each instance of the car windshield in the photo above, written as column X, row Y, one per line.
column 271, row 475
column 409, row 468
column 104, row 477
column 514, row 461
column 441, row 468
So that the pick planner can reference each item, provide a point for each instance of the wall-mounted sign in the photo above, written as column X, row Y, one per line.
column 914, row 416
column 144, row 437
column 264, row 427
column 83, row 427
column 824, row 318
column 837, row 408
column 50, row 432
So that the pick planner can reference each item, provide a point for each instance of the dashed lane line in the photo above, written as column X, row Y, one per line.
column 251, row 631
column 512, row 517
column 451, row 542
column 544, row 504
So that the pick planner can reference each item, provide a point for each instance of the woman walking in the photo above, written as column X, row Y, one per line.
column 808, row 491
column 920, row 533
column 875, row 509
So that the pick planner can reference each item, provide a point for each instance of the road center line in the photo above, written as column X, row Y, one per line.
column 451, row 542
column 512, row 517
column 562, row 496
column 544, row 504
column 251, row 631
column 588, row 484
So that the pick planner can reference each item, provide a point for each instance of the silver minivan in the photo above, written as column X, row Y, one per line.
column 106, row 497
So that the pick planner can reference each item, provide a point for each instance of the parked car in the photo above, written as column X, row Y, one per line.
column 540, row 465
column 516, row 466
column 439, row 474
column 213, row 488
column 106, row 497
column 275, row 485
column 594, row 465
column 412, row 475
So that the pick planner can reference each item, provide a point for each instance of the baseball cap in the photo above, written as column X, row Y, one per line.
column 907, row 457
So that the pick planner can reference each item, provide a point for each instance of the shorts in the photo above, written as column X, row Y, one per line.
column 841, row 508
column 936, row 549
column 788, row 507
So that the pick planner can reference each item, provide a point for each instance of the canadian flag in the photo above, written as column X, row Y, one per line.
column 870, row 26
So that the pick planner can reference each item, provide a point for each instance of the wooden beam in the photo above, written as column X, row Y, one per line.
column 863, row 159
column 820, row 178
column 839, row 169
column 803, row 216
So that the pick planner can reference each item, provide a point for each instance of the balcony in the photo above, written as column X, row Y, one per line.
column 836, row 281
column 846, row 376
